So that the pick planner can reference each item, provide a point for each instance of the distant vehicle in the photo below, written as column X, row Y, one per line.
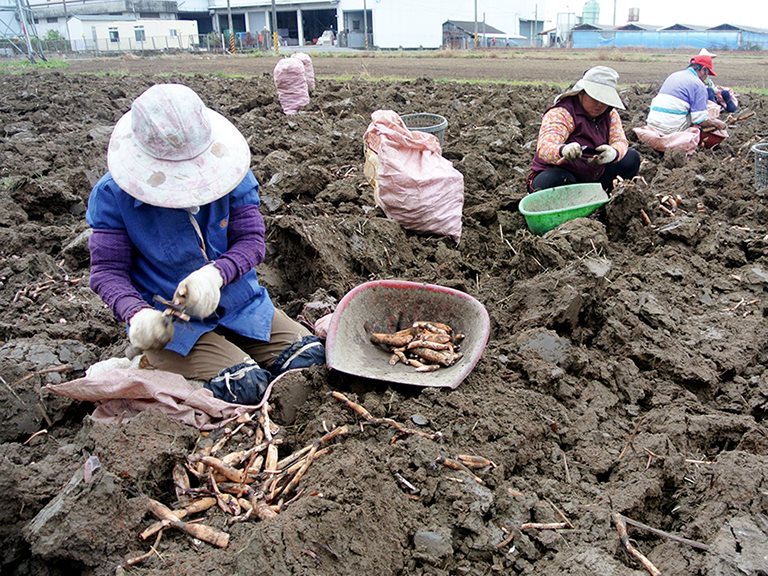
column 327, row 38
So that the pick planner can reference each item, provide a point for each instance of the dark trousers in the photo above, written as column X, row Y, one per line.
column 627, row 168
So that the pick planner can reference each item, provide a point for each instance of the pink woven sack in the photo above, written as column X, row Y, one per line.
column 412, row 183
column 291, row 83
column 686, row 140
column 309, row 69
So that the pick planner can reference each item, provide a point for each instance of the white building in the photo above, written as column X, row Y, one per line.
column 121, row 33
column 54, row 14
column 389, row 23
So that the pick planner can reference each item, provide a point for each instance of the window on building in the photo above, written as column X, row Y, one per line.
column 138, row 31
column 173, row 33
column 114, row 35
column 356, row 25
column 52, row 20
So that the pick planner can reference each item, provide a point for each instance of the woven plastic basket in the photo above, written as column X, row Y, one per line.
column 761, row 165
column 426, row 122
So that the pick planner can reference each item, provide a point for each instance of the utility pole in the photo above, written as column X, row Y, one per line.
column 535, row 24
column 231, row 30
column 66, row 20
column 475, row 24
column 275, row 39
column 614, row 13
column 365, row 23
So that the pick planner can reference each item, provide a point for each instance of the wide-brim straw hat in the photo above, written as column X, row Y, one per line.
column 599, row 83
column 171, row 151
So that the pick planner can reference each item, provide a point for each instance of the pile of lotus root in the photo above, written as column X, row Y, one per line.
column 252, row 482
column 245, row 483
column 426, row 346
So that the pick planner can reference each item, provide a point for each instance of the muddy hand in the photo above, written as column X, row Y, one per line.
column 199, row 293
column 150, row 329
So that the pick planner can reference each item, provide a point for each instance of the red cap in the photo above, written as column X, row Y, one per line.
column 705, row 61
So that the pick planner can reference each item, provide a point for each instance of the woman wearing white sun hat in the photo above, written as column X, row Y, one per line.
column 582, row 139
column 176, row 219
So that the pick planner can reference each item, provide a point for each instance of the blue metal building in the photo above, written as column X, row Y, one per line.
column 635, row 35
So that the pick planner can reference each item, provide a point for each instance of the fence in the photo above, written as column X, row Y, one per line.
column 213, row 42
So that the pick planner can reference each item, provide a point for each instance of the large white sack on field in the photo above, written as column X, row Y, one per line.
column 412, row 183
column 291, row 83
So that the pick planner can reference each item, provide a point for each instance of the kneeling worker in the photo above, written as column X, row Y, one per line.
column 582, row 139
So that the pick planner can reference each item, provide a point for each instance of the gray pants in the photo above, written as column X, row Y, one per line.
column 215, row 351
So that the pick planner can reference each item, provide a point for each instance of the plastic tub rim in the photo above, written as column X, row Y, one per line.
column 441, row 121
column 526, row 212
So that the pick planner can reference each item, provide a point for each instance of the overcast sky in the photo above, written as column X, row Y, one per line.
column 753, row 13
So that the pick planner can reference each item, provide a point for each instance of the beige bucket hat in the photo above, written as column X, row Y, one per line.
column 600, row 83
column 170, row 150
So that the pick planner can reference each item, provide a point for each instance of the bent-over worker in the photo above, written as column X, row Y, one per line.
column 679, row 116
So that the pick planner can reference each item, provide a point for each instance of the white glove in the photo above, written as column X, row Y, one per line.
column 571, row 151
column 150, row 329
column 605, row 154
column 199, row 293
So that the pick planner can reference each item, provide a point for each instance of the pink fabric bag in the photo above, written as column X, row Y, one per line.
column 686, row 140
column 121, row 393
column 412, row 183
column 291, row 83
column 309, row 69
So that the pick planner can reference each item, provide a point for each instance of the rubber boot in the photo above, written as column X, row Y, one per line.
column 243, row 383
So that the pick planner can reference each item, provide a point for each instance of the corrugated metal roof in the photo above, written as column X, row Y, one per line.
column 469, row 27
column 679, row 26
column 594, row 27
column 638, row 26
column 736, row 27
column 104, row 17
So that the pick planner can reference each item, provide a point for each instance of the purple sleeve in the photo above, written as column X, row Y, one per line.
column 246, row 243
column 110, row 263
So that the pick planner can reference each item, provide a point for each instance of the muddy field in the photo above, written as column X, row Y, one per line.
column 744, row 69
column 626, row 371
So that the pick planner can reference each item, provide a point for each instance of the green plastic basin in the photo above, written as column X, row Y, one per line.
column 547, row 209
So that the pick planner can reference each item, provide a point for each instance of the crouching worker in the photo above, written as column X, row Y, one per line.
column 582, row 139
column 176, row 219
column 679, row 118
